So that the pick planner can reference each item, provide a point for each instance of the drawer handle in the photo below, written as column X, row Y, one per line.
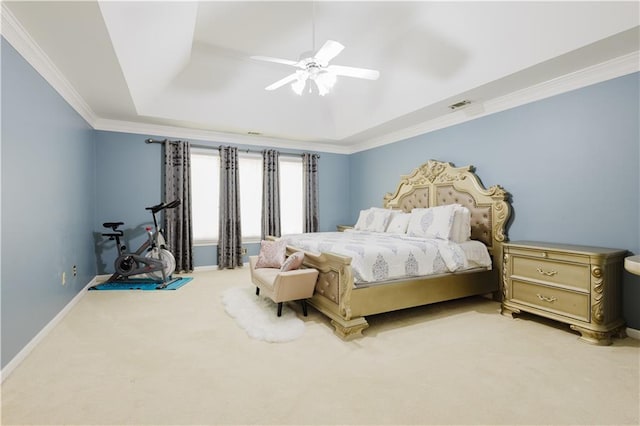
column 548, row 274
column 546, row 299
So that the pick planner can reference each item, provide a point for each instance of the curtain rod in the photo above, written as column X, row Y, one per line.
column 217, row 147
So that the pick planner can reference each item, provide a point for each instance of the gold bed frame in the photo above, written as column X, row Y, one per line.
column 432, row 184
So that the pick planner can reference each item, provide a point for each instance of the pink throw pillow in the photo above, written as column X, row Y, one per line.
column 272, row 254
column 293, row 262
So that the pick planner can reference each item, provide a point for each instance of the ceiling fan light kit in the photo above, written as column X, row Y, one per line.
column 323, row 79
column 317, row 69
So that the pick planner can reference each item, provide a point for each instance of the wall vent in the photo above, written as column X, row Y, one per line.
column 460, row 104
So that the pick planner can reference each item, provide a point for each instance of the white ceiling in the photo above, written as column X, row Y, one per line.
column 185, row 66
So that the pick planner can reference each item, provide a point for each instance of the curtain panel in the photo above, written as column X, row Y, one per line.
column 310, row 191
column 177, row 186
column 270, row 193
column 230, row 235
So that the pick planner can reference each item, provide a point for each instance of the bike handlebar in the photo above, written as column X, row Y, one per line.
column 173, row 204
column 162, row 206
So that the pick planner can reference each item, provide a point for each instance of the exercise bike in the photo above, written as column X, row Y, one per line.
column 157, row 263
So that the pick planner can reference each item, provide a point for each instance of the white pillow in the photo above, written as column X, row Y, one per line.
column 434, row 222
column 374, row 219
column 380, row 219
column 461, row 228
column 362, row 219
column 398, row 223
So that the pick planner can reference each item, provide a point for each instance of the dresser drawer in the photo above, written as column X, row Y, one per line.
column 566, row 274
column 551, row 254
column 577, row 285
column 563, row 302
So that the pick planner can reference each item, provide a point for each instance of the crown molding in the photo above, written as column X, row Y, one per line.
column 20, row 39
column 598, row 73
column 210, row 135
column 604, row 71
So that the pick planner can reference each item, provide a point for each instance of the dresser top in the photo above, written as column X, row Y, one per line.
column 587, row 250
column 632, row 264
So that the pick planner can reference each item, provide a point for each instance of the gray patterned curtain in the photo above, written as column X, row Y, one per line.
column 177, row 186
column 270, row 193
column 310, row 184
column 230, row 235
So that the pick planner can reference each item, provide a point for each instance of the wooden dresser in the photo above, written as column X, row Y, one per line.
column 577, row 285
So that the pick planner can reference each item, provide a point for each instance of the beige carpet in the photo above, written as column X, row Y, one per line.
column 175, row 357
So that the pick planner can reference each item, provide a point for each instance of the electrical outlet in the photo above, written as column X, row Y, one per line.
column 244, row 250
column 64, row 278
column 74, row 269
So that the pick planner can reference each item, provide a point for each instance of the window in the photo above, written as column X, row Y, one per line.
column 291, row 202
column 205, row 195
column 250, row 168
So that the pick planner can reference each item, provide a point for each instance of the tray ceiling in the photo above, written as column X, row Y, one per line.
column 186, row 65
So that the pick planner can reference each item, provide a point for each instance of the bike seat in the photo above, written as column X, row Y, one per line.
column 112, row 225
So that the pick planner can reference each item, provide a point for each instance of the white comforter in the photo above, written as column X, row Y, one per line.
column 382, row 256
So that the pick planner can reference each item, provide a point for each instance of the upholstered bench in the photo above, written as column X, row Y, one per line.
column 281, row 286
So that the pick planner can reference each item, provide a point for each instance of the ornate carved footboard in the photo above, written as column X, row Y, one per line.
column 432, row 184
column 334, row 289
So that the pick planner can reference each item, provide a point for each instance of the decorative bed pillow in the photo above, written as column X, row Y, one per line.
column 461, row 228
column 293, row 262
column 398, row 223
column 434, row 222
column 362, row 219
column 374, row 219
column 272, row 254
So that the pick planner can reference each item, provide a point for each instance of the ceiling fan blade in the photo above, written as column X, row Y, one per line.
column 354, row 72
column 329, row 50
column 276, row 60
column 282, row 82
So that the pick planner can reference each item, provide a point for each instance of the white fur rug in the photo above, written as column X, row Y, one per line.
column 257, row 315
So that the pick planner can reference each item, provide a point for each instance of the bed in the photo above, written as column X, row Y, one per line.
column 347, row 303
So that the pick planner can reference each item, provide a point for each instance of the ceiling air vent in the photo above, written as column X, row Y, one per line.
column 460, row 104
column 254, row 133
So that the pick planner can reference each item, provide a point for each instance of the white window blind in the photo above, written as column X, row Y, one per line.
column 205, row 195
column 250, row 168
column 291, row 202
column 205, row 190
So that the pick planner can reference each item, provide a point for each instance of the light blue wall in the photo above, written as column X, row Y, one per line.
column 129, row 178
column 47, row 202
column 571, row 163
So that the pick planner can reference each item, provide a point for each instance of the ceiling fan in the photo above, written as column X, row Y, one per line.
column 316, row 67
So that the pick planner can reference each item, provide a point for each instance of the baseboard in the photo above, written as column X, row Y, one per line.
column 22, row 355
column 205, row 268
column 633, row 333
column 102, row 278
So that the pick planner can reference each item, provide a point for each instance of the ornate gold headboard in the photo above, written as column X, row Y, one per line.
column 436, row 183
